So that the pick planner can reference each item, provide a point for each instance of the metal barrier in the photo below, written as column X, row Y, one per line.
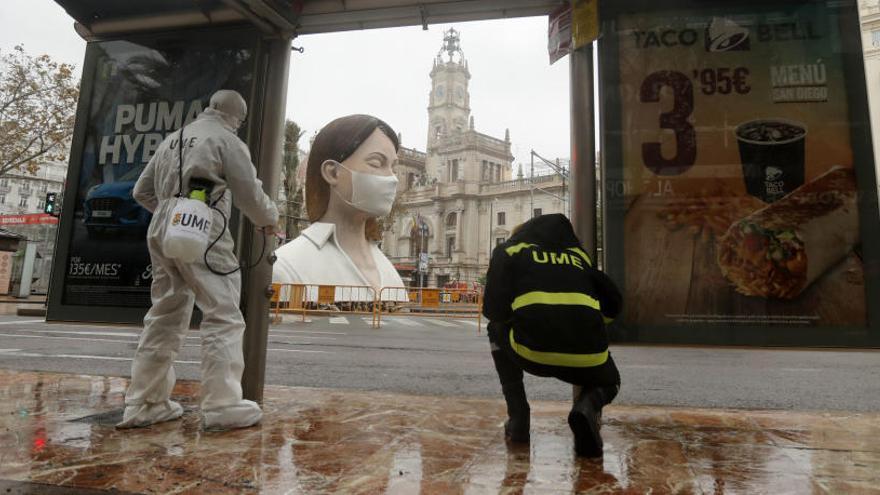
column 430, row 302
column 322, row 299
column 427, row 302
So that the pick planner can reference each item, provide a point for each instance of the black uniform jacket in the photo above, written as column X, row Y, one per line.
column 543, row 285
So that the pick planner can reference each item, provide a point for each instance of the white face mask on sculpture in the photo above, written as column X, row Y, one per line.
column 372, row 194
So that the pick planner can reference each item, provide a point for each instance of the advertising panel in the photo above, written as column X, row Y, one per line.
column 737, row 189
column 5, row 271
column 136, row 92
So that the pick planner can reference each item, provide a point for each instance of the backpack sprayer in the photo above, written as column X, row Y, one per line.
column 188, row 233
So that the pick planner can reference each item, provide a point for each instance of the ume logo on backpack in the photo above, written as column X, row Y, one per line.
column 186, row 237
column 194, row 221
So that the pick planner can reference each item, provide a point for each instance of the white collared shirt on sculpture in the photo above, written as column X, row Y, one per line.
column 315, row 258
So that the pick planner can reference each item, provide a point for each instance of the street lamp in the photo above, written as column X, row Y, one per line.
column 423, row 249
column 491, row 215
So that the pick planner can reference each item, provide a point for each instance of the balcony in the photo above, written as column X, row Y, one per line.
column 411, row 158
column 542, row 181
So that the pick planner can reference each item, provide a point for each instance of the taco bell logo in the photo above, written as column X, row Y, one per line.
column 724, row 35
column 773, row 173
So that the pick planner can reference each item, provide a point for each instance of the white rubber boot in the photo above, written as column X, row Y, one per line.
column 245, row 413
column 147, row 414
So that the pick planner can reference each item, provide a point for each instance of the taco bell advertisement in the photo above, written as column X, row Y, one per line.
column 140, row 93
column 739, row 179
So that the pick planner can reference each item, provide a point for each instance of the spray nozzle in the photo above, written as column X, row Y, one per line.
column 200, row 189
column 199, row 194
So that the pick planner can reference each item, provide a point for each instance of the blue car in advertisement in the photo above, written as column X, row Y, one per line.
column 111, row 207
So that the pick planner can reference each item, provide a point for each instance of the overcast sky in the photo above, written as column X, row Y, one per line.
column 382, row 72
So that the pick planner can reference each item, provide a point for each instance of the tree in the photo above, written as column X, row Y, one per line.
column 291, row 193
column 38, row 99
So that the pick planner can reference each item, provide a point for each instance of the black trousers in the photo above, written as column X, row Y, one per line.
column 510, row 366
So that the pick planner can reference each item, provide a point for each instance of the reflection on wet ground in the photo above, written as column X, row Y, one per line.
column 57, row 437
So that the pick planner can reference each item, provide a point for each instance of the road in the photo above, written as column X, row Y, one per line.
column 447, row 357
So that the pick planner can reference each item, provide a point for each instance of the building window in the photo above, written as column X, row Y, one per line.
column 2, row 199
column 44, row 186
column 499, row 241
column 450, row 245
column 453, row 171
column 41, row 206
column 502, row 218
column 4, row 182
column 484, row 172
column 451, row 219
column 23, row 202
column 875, row 38
column 537, row 212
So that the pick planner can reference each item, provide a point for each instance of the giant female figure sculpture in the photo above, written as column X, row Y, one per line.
column 350, row 182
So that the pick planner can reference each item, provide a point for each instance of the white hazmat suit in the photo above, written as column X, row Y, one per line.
column 211, row 151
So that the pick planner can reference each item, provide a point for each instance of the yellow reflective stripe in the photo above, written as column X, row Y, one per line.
column 511, row 250
column 607, row 320
column 559, row 358
column 583, row 255
column 555, row 298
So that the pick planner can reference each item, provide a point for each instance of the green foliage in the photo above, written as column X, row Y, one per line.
column 38, row 99
column 292, row 208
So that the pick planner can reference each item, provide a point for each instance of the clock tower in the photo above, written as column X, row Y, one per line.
column 449, row 102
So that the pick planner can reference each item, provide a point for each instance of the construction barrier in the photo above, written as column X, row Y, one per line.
column 322, row 299
column 430, row 302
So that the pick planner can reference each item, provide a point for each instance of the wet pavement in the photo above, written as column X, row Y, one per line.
column 57, row 437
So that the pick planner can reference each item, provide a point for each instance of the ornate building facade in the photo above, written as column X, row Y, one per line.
column 869, row 11
column 459, row 198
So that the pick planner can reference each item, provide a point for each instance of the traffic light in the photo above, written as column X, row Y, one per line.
column 51, row 207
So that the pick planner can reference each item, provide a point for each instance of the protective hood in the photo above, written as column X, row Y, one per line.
column 552, row 230
column 229, row 121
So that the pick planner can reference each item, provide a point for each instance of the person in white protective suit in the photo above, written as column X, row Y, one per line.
column 213, row 152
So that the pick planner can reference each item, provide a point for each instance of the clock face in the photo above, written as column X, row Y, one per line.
column 459, row 93
column 439, row 92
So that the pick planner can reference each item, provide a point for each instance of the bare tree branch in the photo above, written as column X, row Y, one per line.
column 38, row 100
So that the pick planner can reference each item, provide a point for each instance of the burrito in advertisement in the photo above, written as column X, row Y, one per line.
column 778, row 251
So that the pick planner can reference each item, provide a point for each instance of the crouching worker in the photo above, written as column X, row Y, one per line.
column 209, row 152
column 547, row 307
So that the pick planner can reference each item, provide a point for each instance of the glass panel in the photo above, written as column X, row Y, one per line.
column 731, row 180
column 141, row 91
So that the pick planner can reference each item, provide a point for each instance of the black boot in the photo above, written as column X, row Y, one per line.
column 584, row 421
column 516, row 428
